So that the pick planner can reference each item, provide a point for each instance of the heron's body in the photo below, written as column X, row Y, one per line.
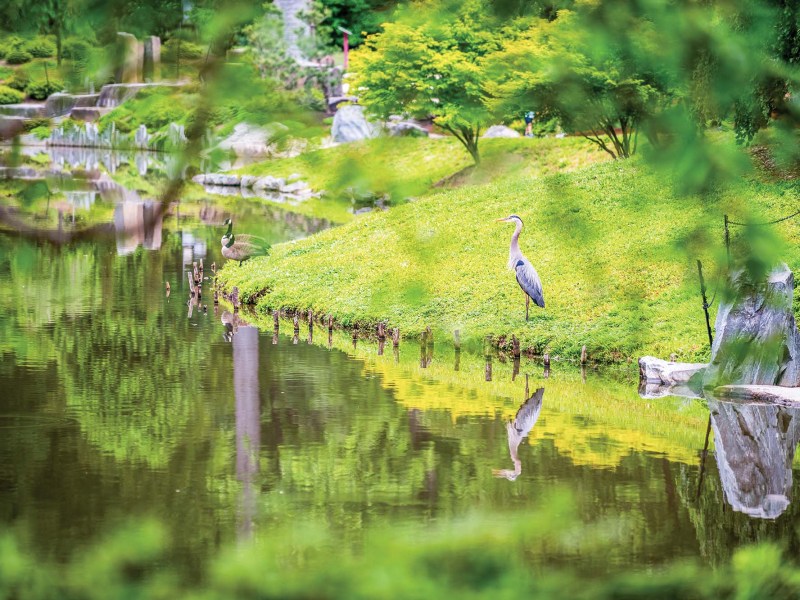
column 527, row 277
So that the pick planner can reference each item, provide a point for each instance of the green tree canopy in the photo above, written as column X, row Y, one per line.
column 431, row 63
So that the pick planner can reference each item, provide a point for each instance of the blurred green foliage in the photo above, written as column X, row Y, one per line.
column 9, row 95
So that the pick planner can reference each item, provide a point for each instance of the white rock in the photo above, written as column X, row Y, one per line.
column 500, row 131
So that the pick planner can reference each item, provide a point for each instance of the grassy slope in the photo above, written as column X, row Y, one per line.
column 614, row 247
column 409, row 166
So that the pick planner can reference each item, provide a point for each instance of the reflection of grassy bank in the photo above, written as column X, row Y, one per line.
column 615, row 249
column 615, row 420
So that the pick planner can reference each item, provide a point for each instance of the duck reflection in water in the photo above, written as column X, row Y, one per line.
column 231, row 322
column 519, row 428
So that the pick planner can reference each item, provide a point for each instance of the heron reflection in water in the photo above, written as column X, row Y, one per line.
column 518, row 430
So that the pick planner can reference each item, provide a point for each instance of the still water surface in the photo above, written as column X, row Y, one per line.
column 120, row 401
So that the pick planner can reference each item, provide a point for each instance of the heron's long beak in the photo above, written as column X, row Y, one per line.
column 503, row 220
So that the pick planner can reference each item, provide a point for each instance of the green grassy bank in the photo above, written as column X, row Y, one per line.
column 614, row 246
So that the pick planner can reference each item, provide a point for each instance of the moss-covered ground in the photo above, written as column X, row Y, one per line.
column 615, row 247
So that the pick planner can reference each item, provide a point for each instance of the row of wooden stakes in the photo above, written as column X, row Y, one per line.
column 426, row 339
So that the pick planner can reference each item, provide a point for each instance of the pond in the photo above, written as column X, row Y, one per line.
column 121, row 401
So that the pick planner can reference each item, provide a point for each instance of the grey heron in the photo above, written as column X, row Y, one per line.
column 527, row 277
column 518, row 429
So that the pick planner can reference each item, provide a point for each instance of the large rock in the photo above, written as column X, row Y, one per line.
column 128, row 58
column 755, row 447
column 350, row 125
column 151, row 64
column 269, row 183
column 500, row 131
column 655, row 370
column 757, row 342
column 397, row 126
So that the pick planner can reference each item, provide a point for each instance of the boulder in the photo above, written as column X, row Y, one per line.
column 128, row 68
column 398, row 128
column 501, row 131
column 350, row 125
column 767, row 394
column 269, row 183
column 151, row 63
column 247, row 140
column 294, row 188
column 215, row 179
column 755, row 447
column 656, row 371
column 757, row 342
column 248, row 181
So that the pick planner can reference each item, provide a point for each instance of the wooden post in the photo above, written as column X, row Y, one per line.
column 457, row 364
column 276, row 320
column 457, row 339
column 381, row 344
column 423, row 359
column 728, row 240
column 214, row 268
column 515, row 369
column 381, row 331
column 194, row 271
column 330, row 322
column 310, row 318
column 191, row 282
column 216, row 297
column 201, row 268
column 547, row 360
column 396, row 337
column 296, row 321
column 515, row 346
column 705, row 302
column 583, row 355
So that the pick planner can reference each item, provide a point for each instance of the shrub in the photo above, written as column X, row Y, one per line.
column 40, row 47
column 9, row 44
column 76, row 49
column 37, row 122
column 39, row 90
column 19, row 80
column 41, row 133
column 18, row 57
column 189, row 51
column 10, row 95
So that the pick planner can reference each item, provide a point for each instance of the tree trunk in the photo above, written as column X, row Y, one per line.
column 472, row 148
column 58, row 44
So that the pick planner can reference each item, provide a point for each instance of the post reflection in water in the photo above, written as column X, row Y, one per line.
column 519, row 428
column 248, row 421
column 755, row 446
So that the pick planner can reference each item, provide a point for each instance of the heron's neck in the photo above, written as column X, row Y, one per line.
column 514, row 250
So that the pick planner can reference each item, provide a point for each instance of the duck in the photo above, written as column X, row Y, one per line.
column 244, row 237
column 241, row 249
column 243, row 246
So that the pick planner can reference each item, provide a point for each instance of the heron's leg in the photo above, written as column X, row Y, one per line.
column 527, row 305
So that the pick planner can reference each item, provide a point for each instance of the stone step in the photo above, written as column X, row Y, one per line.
column 26, row 110
column 11, row 126
column 88, row 113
